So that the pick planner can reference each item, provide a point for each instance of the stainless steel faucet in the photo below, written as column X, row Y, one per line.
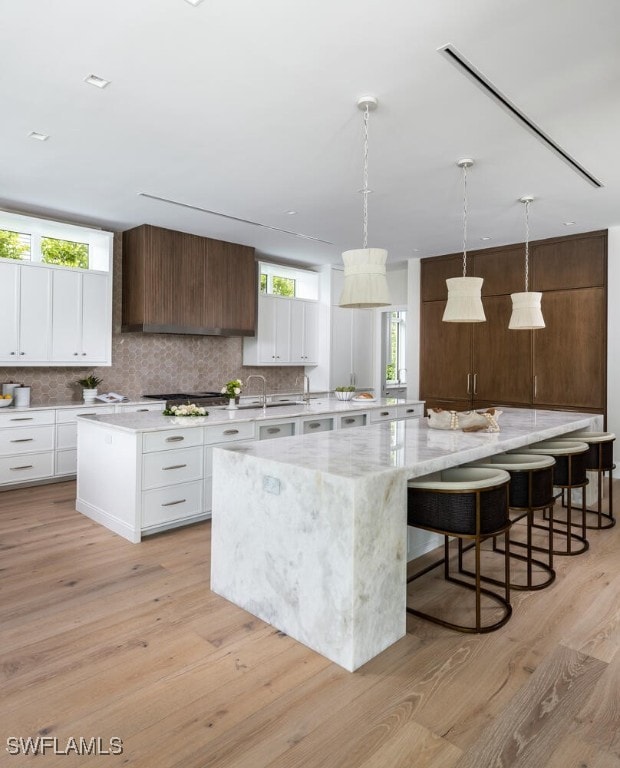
column 264, row 392
column 305, row 389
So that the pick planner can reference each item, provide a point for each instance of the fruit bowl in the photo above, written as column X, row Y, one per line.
column 5, row 400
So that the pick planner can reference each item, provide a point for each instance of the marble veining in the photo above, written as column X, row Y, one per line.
column 309, row 533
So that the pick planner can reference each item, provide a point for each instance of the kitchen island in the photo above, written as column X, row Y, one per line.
column 142, row 473
column 309, row 533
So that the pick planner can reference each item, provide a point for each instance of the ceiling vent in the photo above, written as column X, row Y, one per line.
column 232, row 218
column 456, row 57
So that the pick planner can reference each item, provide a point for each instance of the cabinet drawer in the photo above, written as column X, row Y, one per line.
column 68, row 415
column 25, row 418
column 410, row 411
column 359, row 420
column 284, row 429
column 384, row 414
column 325, row 424
column 173, row 438
column 224, row 433
column 165, row 505
column 26, row 440
column 66, row 462
column 170, row 467
column 142, row 407
column 20, row 469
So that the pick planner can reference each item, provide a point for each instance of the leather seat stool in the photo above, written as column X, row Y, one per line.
column 530, row 491
column 569, row 474
column 471, row 504
column 600, row 459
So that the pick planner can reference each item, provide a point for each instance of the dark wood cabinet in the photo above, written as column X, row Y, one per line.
column 174, row 282
column 473, row 365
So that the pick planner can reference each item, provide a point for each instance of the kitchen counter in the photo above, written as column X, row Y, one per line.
column 150, row 422
column 309, row 533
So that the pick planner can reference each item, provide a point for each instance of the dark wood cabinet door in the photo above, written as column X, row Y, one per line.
column 502, row 359
column 445, row 356
column 579, row 261
column 569, row 353
column 230, row 288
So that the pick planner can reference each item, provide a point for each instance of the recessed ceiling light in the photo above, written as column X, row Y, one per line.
column 38, row 136
column 97, row 81
column 290, row 213
column 416, row 250
column 569, row 223
column 194, row 2
column 486, row 237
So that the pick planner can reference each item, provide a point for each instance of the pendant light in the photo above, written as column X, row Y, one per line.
column 526, row 311
column 365, row 283
column 464, row 300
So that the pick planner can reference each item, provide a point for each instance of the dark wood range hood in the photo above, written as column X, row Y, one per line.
column 174, row 282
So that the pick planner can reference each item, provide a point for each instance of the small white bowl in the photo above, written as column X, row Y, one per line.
column 5, row 401
column 344, row 395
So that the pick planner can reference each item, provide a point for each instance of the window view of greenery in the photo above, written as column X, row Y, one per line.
column 283, row 286
column 14, row 245
column 280, row 286
column 65, row 252
column 395, row 348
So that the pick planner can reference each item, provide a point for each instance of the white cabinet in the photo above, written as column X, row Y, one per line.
column 352, row 356
column 304, row 332
column 287, row 333
column 54, row 315
column 65, row 460
column 25, row 302
column 81, row 317
column 26, row 446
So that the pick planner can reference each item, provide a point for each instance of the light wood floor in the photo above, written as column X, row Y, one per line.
column 103, row 638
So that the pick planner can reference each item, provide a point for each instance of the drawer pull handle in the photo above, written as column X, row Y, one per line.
column 175, row 439
column 172, row 503
column 175, row 466
column 314, row 424
column 410, row 410
column 23, row 440
column 273, row 430
column 384, row 413
column 26, row 466
column 143, row 410
column 231, row 431
column 349, row 420
column 23, row 418
column 87, row 414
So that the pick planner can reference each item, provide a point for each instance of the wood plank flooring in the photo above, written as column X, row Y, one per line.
column 103, row 638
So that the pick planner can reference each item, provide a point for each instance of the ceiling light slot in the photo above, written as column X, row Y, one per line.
column 456, row 58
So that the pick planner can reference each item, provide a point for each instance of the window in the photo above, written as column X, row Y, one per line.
column 395, row 342
column 291, row 282
column 14, row 245
column 45, row 241
column 67, row 253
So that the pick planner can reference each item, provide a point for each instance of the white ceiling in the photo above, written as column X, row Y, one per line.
column 248, row 108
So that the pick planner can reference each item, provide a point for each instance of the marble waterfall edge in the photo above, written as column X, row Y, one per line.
column 318, row 556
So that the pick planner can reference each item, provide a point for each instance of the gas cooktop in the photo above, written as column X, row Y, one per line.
column 214, row 398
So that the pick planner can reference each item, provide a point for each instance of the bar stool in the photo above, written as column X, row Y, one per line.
column 600, row 459
column 469, row 503
column 531, row 490
column 569, row 474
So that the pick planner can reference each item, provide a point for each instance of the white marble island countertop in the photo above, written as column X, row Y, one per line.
column 309, row 533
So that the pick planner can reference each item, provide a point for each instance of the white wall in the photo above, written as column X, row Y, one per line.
column 613, row 336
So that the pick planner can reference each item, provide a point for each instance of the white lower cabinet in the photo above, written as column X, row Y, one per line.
column 163, row 506
column 26, row 446
column 284, row 428
column 66, row 436
column 353, row 420
column 323, row 424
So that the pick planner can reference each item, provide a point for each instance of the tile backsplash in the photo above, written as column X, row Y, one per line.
column 150, row 363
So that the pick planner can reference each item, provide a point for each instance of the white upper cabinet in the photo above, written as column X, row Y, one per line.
column 81, row 318
column 286, row 333
column 55, row 293
column 25, row 301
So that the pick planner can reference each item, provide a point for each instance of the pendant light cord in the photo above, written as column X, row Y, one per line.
column 365, row 190
column 527, row 244
column 464, row 220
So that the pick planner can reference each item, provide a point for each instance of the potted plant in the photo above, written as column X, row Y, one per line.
column 89, row 386
column 232, row 390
